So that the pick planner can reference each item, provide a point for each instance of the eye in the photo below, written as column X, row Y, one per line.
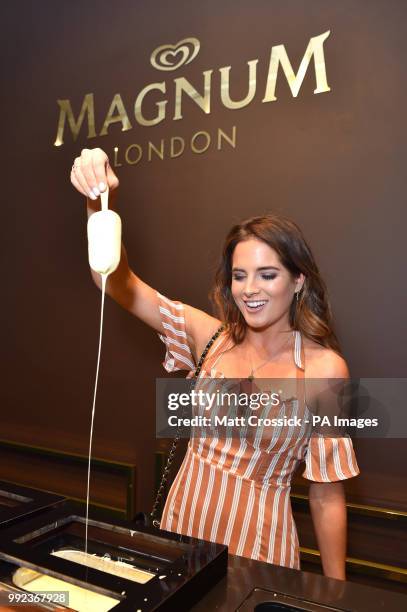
column 268, row 276
column 237, row 277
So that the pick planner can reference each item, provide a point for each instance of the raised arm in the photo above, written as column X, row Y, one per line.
column 91, row 173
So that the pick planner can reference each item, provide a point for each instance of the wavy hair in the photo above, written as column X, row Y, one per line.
column 312, row 315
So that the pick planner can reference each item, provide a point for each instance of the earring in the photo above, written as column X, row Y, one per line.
column 296, row 293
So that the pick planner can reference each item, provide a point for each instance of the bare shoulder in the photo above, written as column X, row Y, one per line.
column 200, row 327
column 322, row 362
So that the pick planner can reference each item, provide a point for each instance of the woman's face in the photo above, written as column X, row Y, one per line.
column 262, row 287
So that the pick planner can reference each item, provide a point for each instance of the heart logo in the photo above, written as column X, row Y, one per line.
column 171, row 57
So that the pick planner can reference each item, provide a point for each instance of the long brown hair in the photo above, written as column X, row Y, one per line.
column 312, row 314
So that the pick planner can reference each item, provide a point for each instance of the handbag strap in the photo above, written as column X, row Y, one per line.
column 174, row 444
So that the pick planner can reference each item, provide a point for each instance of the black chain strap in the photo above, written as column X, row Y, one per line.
column 173, row 449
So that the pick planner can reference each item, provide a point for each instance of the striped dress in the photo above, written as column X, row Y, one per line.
column 235, row 490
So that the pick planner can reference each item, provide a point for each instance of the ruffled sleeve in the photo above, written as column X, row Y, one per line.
column 330, row 459
column 178, row 354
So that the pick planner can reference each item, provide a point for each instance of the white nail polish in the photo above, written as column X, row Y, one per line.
column 102, row 186
column 96, row 191
column 92, row 195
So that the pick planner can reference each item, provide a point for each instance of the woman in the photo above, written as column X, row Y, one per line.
column 270, row 297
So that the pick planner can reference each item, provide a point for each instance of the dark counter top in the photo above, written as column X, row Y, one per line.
column 245, row 575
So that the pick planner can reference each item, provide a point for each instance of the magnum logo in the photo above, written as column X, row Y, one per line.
column 171, row 57
column 165, row 57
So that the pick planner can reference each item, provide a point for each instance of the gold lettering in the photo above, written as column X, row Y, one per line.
column 231, row 141
column 127, row 154
column 160, row 152
column 117, row 112
column 66, row 111
column 160, row 105
column 117, row 104
column 195, row 137
column 203, row 101
column 225, row 85
column 116, row 158
column 279, row 55
column 180, row 140
column 199, row 143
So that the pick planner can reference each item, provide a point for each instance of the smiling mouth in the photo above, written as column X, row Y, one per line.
column 255, row 305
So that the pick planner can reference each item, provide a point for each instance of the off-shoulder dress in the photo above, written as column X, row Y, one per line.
column 236, row 491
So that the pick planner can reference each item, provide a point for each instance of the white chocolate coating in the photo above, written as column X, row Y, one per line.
column 104, row 241
column 80, row 599
column 106, row 564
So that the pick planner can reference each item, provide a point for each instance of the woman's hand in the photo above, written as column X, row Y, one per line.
column 91, row 173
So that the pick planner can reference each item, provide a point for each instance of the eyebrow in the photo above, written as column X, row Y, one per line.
column 258, row 269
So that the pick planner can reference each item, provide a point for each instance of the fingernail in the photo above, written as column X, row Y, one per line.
column 96, row 191
column 92, row 195
column 102, row 186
